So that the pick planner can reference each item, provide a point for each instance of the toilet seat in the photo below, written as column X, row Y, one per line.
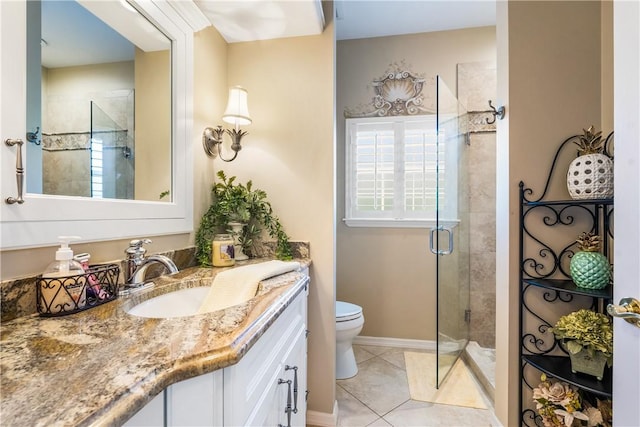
column 346, row 312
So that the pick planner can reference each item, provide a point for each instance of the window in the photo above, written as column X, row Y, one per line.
column 392, row 164
column 96, row 168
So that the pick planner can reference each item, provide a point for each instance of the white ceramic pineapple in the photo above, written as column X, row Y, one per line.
column 590, row 175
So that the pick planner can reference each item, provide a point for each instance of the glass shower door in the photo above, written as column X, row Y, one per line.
column 111, row 157
column 450, row 238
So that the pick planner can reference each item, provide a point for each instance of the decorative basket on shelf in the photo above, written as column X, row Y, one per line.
column 71, row 294
column 590, row 175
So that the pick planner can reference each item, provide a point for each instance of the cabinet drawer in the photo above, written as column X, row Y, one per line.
column 246, row 382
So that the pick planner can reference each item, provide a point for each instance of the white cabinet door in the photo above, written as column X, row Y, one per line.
column 256, row 389
column 294, row 369
column 299, row 360
column 196, row 401
column 283, row 403
column 151, row 415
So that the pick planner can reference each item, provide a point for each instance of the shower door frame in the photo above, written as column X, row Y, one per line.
column 450, row 237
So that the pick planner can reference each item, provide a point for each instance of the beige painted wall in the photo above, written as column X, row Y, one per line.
column 390, row 272
column 550, row 83
column 152, row 125
column 606, row 65
column 289, row 154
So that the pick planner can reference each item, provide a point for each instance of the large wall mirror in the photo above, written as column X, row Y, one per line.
column 106, row 126
column 99, row 110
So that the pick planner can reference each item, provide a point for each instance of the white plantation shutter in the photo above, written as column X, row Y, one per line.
column 373, row 169
column 391, row 170
column 96, row 168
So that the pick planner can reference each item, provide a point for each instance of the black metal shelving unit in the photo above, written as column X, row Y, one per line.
column 548, row 229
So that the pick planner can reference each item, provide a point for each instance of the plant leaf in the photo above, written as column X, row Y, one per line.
column 574, row 347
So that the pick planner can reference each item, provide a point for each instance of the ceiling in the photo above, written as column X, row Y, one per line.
column 357, row 19
column 249, row 20
column 93, row 32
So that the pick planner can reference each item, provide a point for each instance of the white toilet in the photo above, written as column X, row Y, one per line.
column 349, row 322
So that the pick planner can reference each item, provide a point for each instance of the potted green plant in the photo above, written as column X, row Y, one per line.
column 588, row 338
column 239, row 203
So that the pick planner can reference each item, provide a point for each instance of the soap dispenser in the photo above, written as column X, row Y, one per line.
column 63, row 282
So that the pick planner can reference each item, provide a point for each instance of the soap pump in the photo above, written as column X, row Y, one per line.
column 62, row 287
column 64, row 265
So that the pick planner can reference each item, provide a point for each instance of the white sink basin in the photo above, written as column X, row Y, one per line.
column 181, row 303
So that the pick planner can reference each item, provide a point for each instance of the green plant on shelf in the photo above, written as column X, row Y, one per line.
column 236, row 202
column 586, row 330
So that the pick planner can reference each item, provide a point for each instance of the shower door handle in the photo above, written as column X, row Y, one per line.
column 431, row 239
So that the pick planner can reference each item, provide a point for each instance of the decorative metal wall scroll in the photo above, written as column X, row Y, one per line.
column 397, row 93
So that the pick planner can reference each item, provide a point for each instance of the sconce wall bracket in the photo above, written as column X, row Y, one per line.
column 212, row 141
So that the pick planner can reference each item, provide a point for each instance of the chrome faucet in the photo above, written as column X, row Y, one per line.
column 137, row 264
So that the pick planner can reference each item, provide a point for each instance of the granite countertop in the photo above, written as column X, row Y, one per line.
column 102, row 365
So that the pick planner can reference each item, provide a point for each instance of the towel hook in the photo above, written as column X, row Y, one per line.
column 499, row 113
column 33, row 136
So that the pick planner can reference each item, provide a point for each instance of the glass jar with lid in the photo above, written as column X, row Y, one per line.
column 222, row 251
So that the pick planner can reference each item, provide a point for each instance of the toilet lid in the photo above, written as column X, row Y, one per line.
column 347, row 311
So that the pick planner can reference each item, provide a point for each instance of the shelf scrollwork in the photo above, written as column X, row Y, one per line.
column 548, row 229
column 548, row 260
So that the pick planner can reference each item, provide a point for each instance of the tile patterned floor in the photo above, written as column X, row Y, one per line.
column 379, row 396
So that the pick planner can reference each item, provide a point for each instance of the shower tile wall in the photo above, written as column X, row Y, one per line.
column 66, row 157
column 477, row 85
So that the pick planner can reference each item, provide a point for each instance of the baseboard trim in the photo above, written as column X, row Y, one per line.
column 395, row 342
column 323, row 419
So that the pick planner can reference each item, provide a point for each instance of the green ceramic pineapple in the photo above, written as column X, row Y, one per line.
column 589, row 268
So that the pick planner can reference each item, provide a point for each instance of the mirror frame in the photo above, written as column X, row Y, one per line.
column 42, row 218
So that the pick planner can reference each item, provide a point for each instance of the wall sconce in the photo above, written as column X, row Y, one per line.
column 237, row 113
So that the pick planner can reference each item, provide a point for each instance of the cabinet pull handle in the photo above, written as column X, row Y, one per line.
column 295, row 386
column 287, row 410
column 19, row 171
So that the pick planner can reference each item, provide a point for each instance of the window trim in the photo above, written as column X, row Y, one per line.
column 392, row 220
column 399, row 223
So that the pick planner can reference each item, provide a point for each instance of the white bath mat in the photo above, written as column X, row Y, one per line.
column 459, row 388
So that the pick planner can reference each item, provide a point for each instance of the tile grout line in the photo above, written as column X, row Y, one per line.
column 381, row 416
column 487, row 400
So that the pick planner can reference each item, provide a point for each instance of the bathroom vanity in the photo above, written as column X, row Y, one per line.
column 267, row 387
column 243, row 365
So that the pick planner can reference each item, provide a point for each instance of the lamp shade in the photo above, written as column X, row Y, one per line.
column 237, row 111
